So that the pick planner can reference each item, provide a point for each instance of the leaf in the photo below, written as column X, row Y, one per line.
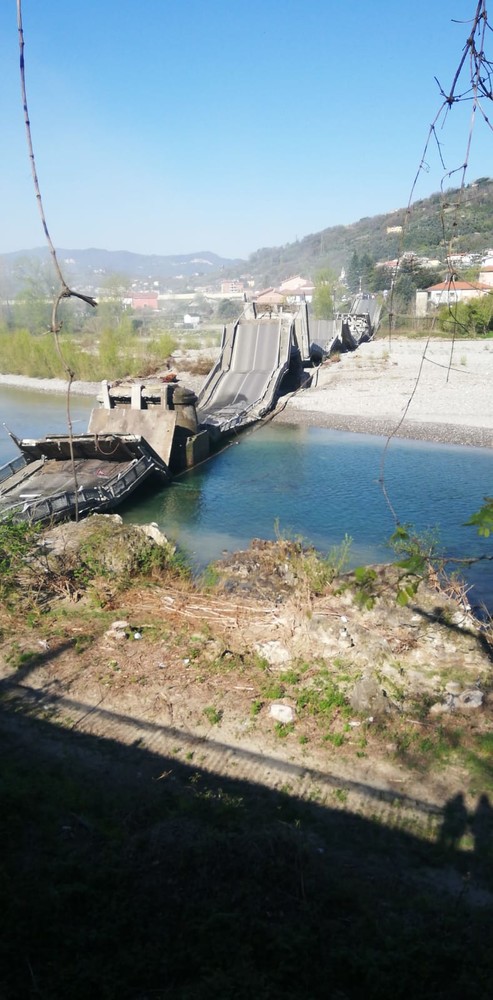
column 482, row 519
column 402, row 598
column 414, row 564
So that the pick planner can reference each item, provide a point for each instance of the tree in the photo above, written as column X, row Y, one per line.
column 229, row 309
column 466, row 318
column 411, row 276
column 353, row 273
column 111, row 309
column 34, row 302
column 324, row 294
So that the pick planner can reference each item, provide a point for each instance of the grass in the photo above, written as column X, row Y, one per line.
column 213, row 715
column 115, row 353
column 322, row 699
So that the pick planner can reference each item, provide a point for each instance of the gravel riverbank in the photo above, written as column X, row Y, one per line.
column 426, row 391
column 49, row 384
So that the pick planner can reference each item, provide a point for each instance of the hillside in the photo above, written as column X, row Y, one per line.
column 90, row 267
column 427, row 229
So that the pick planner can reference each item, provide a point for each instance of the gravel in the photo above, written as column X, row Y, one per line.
column 425, row 390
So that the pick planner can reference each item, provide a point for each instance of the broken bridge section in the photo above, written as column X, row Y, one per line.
column 258, row 354
column 255, row 357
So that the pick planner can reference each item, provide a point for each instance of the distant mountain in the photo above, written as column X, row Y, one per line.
column 91, row 267
column 465, row 218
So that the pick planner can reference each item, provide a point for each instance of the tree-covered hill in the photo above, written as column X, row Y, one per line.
column 460, row 221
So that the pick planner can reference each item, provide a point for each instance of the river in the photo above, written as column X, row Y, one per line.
column 299, row 481
column 31, row 414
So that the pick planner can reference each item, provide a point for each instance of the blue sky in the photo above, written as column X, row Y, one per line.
column 172, row 126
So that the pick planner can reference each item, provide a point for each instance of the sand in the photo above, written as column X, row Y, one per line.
column 49, row 384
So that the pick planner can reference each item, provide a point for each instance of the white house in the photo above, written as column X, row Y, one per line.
column 297, row 289
column 190, row 320
column 447, row 293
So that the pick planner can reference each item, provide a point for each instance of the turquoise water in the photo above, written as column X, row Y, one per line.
column 321, row 485
column 300, row 481
column 32, row 414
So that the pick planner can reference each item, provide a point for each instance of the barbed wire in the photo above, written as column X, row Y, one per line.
column 479, row 86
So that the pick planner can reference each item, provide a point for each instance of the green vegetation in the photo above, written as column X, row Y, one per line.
column 114, row 354
column 468, row 319
column 105, row 563
column 482, row 519
column 213, row 715
column 314, row 570
column 426, row 230
column 326, row 294
column 365, row 579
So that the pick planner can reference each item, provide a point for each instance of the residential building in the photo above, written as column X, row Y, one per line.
column 447, row 293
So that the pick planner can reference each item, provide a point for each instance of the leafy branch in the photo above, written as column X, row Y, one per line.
column 483, row 518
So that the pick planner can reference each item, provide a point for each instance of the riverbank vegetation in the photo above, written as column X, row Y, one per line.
column 199, row 785
column 114, row 353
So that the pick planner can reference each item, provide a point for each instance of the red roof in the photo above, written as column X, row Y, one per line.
column 459, row 286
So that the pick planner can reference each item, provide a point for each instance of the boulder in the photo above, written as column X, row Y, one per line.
column 367, row 696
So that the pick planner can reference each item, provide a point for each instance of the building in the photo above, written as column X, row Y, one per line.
column 486, row 275
column 144, row 300
column 231, row 287
column 191, row 320
column 447, row 293
column 297, row 289
column 270, row 299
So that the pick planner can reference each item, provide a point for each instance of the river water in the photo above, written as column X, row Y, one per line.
column 301, row 482
column 32, row 414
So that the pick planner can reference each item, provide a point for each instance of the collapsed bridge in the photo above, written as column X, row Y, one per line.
column 261, row 357
column 149, row 430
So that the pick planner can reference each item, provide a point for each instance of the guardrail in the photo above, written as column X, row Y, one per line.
column 10, row 468
column 87, row 498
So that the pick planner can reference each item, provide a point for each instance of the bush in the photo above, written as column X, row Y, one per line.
column 466, row 319
column 115, row 355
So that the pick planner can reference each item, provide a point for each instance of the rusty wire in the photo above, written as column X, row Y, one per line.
column 479, row 87
column 65, row 292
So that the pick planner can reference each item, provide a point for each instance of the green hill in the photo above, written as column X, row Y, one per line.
column 460, row 221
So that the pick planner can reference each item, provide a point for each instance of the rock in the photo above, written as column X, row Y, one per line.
column 440, row 708
column 453, row 687
column 472, row 698
column 282, row 713
column 461, row 619
column 153, row 532
column 118, row 630
column 368, row 696
column 274, row 652
column 447, row 705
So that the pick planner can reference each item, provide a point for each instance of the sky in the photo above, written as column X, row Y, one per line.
column 174, row 126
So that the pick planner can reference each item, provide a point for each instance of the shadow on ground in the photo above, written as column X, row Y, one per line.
column 129, row 874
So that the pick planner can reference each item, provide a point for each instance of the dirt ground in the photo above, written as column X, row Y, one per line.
column 342, row 697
